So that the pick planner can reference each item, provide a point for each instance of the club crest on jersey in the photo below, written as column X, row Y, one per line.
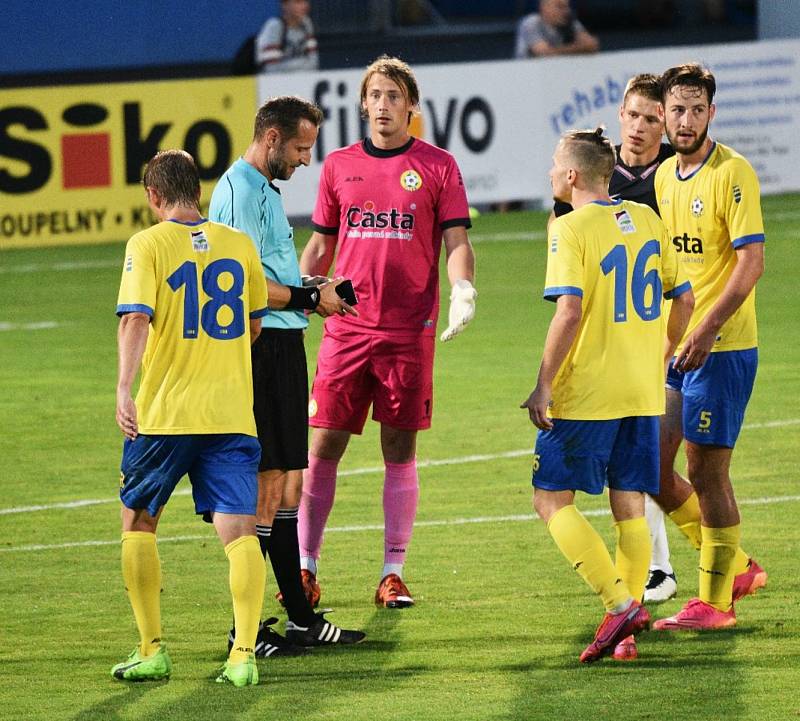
column 697, row 207
column 411, row 180
column 199, row 241
column 312, row 408
column 624, row 222
column 737, row 194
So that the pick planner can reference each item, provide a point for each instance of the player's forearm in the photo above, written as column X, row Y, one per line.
column 749, row 268
column 678, row 321
column 317, row 256
column 131, row 342
column 460, row 256
column 560, row 337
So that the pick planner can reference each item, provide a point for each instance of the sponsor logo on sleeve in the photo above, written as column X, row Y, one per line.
column 737, row 194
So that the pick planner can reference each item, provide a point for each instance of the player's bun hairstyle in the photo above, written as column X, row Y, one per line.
column 691, row 75
column 284, row 113
column 645, row 84
column 173, row 175
column 397, row 71
column 592, row 152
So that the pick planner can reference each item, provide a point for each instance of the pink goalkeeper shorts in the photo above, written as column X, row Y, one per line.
column 354, row 370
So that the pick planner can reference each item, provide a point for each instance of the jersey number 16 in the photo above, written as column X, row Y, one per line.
column 617, row 261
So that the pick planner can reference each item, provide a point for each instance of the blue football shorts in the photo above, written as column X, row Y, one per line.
column 715, row 396
column 588, row 455
column 222, row 469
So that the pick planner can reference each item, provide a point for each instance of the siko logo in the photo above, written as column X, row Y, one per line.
column 86, row 150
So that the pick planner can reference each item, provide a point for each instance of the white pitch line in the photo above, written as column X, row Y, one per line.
column 65, row 265
column 38, row 325
column 476, row 237
column 357, row 471
column 526, row 517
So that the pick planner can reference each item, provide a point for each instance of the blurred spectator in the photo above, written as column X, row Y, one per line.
column 288, row 42
column 553, row 31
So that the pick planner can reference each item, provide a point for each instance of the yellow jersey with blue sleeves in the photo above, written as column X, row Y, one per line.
column 200, row 284
column 710, row 214
column 617, row 257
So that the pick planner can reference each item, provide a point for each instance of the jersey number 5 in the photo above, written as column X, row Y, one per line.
column 617, row 260
column 231, row 298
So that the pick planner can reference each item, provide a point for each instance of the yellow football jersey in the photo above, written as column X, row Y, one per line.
column 709, row 214
column 200, row 284
column 617, row 257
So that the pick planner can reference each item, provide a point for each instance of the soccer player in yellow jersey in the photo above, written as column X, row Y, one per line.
column 599, row 393
column 190, row 304
column 709, row 199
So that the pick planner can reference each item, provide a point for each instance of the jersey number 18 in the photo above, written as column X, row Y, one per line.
column 186, row 275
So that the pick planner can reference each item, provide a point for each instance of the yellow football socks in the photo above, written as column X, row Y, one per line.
column 141, row 571
column 633, row 554
column 687, row 519
column 716, row 565
column 585, row 550
column 248, row 574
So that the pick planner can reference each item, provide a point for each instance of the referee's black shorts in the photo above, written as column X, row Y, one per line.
column 280, row 399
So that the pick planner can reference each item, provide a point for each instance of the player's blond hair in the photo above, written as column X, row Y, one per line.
column 592, row 153
column 173, row 175
column 397, row 71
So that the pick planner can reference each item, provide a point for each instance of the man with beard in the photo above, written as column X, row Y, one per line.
column 245, row 197
column 709, row 199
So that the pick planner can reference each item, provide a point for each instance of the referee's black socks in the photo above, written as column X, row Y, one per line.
column 284, row 554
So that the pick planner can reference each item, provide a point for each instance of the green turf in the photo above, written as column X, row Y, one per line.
column 500, row 618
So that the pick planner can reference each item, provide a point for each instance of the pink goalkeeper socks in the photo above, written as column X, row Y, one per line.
column 319, row 488
column 400, row 498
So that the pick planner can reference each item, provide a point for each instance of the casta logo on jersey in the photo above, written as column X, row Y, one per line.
column 368, row 217
column 685, row 244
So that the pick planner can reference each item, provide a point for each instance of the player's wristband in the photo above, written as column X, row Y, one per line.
column 303, row 298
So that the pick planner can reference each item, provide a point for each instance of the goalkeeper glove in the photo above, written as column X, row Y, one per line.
column 462, row 308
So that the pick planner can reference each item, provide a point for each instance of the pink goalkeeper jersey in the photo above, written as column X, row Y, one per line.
column 388, row 209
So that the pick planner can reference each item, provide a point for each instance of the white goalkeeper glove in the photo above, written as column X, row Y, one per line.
column 462, row 309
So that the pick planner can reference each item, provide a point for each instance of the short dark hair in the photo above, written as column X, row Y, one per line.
column 173, row 174
column 285, row 113
column 593, row 153
column 397, row 71
column 692, row 75
column 647, row 85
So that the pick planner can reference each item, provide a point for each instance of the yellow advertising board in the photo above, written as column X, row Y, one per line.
column 72, row 157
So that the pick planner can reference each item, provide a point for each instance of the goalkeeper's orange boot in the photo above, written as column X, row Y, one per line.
column 393, row 593
column 311, row 588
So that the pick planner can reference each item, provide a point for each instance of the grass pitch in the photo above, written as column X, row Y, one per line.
column 500, row 617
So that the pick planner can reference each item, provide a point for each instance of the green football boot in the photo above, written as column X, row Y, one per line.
column 240, row 674
column 149, row 668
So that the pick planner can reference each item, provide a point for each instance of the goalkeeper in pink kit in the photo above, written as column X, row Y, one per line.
column 385, row 207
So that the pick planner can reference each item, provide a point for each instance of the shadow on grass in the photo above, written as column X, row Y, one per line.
column 677, row 675
column 116, row 706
